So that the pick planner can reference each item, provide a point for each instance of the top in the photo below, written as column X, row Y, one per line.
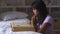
column 49, row 30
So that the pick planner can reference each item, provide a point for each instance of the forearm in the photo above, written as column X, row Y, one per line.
column 44, row 27
column 32, row 19
column 33, row 22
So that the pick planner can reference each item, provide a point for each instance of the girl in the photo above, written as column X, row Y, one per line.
column 41, row 19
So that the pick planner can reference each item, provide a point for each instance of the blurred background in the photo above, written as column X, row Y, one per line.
column 53, row 6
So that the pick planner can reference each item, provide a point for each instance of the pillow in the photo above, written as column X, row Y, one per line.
column 13, row 15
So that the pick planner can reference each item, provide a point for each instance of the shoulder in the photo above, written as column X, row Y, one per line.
column 48, row 19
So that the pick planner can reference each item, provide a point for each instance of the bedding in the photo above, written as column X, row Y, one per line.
column 12, row 15
column 6, row 24
column 8, row 31
column 5, row 27
column 26, row 32
column 21, row 32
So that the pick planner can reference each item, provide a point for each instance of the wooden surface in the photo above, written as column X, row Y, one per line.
column 57, row 26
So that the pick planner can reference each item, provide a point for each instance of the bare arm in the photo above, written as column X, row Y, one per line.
column 44, row 27
column 46, row 24
column 33, row 22
column 32, row 19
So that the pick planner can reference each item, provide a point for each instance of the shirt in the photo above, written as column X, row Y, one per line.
column 50, row 29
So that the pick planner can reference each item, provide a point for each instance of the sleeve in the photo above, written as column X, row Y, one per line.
column 48, row 19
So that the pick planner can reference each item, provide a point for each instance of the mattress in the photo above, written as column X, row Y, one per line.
column 4, row 25
column 9, row 31
column 7, row 23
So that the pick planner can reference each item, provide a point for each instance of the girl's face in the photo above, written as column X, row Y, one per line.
column 35, row 11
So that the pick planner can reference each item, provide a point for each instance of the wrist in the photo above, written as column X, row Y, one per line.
column 40, row 31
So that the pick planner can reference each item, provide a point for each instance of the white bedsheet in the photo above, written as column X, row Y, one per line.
column 7, row 23
column 9, row 31
column 5, row 27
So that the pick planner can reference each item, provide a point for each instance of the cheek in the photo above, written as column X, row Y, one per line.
column 35, row 11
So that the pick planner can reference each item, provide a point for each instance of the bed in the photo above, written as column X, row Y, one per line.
column 10, row 17
column 5, row 27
